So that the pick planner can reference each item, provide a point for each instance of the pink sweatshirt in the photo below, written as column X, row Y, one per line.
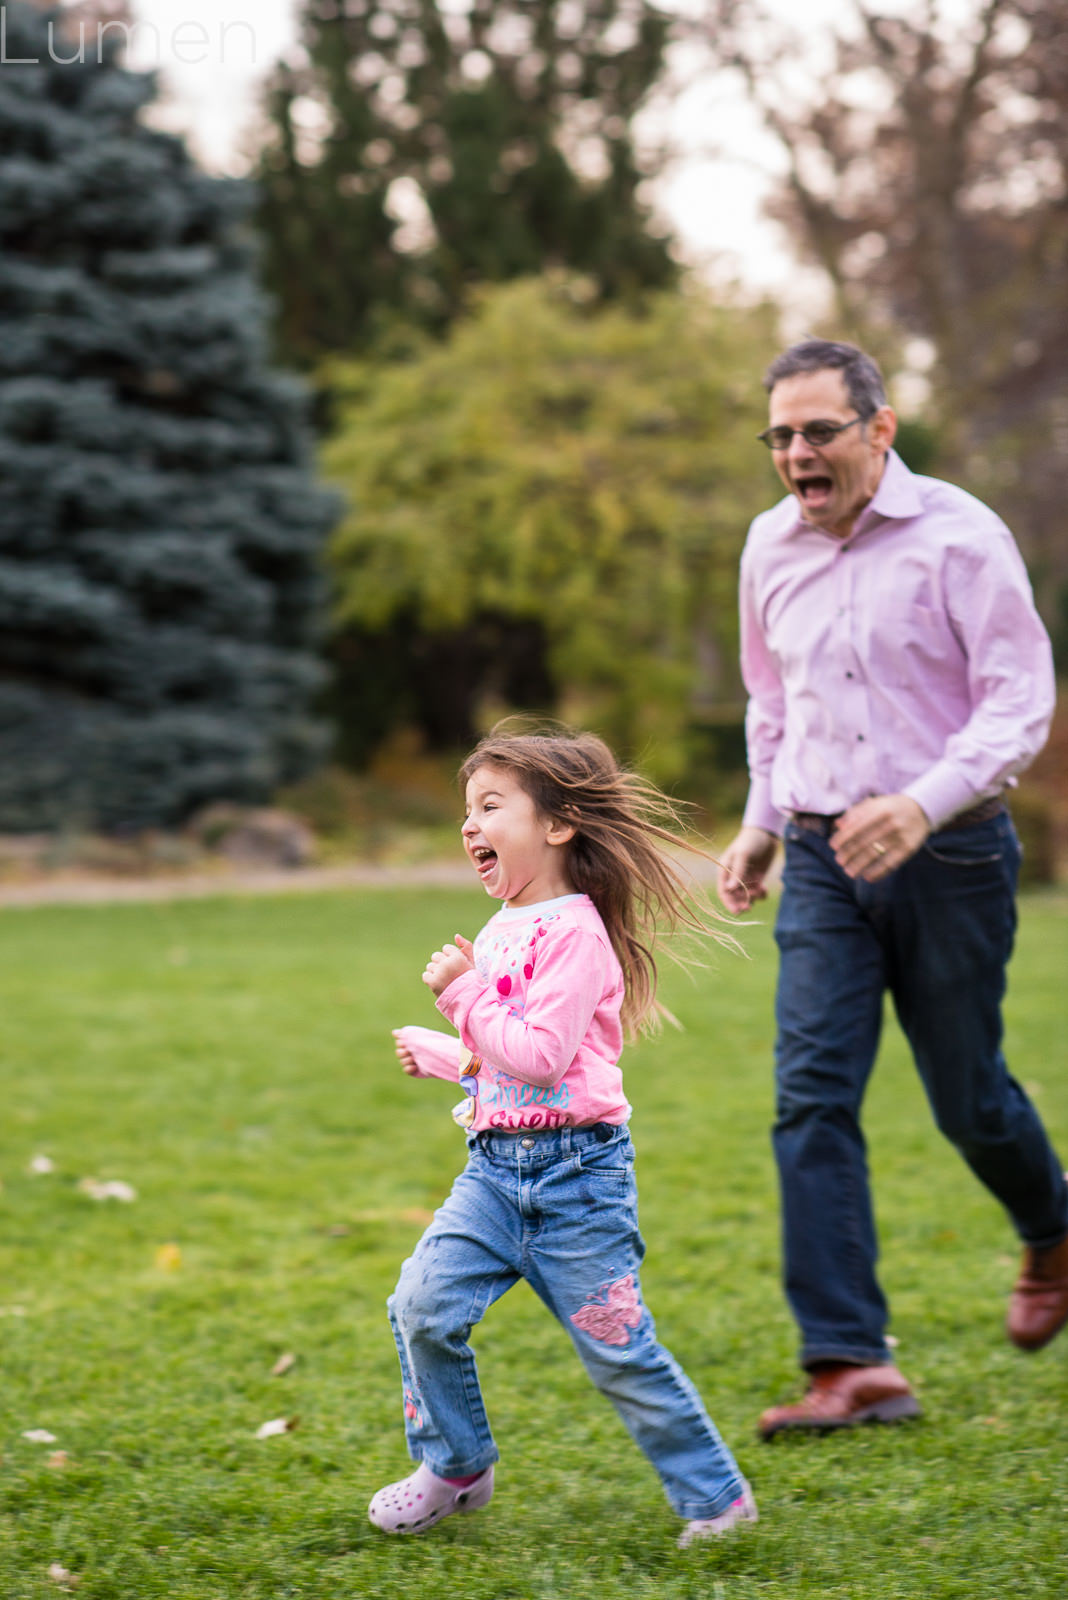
column 538, row 1019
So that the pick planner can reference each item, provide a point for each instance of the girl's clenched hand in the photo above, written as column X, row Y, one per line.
column 447, row 964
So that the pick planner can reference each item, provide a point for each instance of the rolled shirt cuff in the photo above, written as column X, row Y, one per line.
column 759, row 811
column 942, row 794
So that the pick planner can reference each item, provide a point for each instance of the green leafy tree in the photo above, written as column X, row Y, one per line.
column 160, row 532
column 547, row 512
column 506, row 126
column 925, row 171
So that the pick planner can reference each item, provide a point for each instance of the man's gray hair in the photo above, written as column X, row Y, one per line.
column 860, row 373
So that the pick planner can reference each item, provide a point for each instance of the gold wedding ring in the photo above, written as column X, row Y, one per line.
column 880, row 849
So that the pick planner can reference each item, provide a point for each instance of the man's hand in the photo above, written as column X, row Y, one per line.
column 877, row 835
column 743, row 868
column 446, row 965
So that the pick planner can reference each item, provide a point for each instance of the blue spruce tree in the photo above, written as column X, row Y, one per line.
column 160, row 529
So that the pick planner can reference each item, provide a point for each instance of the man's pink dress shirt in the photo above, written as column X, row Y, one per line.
column 908, row 658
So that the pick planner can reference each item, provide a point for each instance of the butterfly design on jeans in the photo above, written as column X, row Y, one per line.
column 609, row 1318
column 411, row 1410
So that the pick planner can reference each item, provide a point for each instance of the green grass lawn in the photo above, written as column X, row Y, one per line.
column 231, row 1060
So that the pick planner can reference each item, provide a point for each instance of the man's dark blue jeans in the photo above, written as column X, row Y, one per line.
column 937, row 934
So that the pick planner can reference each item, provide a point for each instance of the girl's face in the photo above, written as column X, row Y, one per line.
column 519, row 855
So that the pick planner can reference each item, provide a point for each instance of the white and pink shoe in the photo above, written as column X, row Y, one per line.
column 741, row 1510
column 415, row 1503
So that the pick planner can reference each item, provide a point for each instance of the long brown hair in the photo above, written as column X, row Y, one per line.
column 617, row 855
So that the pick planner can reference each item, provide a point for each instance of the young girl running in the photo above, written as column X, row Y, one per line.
column 571, row 846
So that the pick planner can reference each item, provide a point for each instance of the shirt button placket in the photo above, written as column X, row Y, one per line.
column 847, row 610
column 865, row 752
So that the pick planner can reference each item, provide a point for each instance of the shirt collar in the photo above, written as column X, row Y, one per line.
column 898, row 494
column 537, row 908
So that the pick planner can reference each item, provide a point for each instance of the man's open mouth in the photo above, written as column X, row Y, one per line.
column 813, row 489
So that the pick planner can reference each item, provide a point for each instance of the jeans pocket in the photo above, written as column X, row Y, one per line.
column 614, row 1159
column 956, row 852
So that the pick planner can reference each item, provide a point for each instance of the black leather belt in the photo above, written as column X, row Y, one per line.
column 816, row 822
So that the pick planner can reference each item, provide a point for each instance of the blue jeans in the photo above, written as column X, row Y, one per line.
column 559, row 1209
column 937, row 934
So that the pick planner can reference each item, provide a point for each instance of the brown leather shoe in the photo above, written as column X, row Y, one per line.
column 841, row 1396
column 1038, row 1306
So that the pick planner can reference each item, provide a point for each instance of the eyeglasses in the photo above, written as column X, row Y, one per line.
column 817, row 434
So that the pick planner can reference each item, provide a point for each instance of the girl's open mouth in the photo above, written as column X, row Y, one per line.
column 485, row 860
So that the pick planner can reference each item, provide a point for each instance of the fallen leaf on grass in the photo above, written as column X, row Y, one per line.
column 109, row 1189
column 283, row 1365
column 41, row 1165
column 58, row 1460
column 169, row 1257
column 40, row 1436
column 60, row 1575
column 268, row 1430
column 414, row 1214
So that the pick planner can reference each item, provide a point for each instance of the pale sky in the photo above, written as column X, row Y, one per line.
column 213, row 54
